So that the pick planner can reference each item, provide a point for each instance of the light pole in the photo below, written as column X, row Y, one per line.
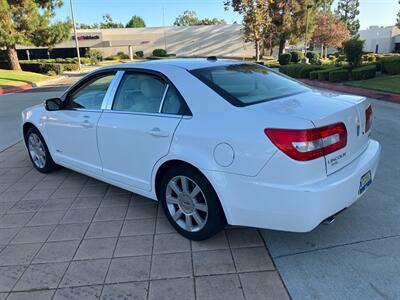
column 305, row 35
column 76, row 37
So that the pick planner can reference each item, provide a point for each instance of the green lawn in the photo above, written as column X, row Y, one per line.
column 384, row 83
column 14, row 78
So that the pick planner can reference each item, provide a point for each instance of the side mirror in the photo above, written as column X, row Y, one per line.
column 53, row 104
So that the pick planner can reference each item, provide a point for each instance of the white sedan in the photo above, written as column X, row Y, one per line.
column 215, row 141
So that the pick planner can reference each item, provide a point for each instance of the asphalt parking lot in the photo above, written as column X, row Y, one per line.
column 358, row 256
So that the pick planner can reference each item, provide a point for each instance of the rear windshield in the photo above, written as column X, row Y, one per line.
column 246, row 84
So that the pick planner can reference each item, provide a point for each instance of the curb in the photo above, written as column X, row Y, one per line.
column 27, row 86
column 354, row 90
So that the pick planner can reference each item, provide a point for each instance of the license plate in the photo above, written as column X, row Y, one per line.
column 365, row 182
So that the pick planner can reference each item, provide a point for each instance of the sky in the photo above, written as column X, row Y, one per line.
column 372, row 12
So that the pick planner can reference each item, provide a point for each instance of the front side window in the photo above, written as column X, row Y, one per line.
column 245, row 84
column 139, row 93
column 91, row 94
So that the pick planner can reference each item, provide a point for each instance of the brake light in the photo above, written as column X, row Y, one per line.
column 368, row 118
column 308, row 144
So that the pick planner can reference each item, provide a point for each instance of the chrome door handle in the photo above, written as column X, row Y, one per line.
column 87, row 124
column 158, row 133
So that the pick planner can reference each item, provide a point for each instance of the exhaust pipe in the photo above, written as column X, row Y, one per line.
column 331, row 219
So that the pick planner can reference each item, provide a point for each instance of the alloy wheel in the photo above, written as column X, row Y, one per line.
column 37, row 150
column 186, row 203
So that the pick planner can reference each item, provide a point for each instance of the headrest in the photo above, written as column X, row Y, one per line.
column 152, row 88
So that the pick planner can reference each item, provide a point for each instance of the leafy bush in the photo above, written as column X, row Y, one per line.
column 313, row 57
column 43, row 68
column 314, row 75
column 323, row 74
column 122, row 55
column 307, row 69
column 353, row 49
column 285, row 58
column 339, row 75
column 390, row 65
column 139, row 54
column 363, row 73
column 94, row 56
column 297, row 56
column 113, row 57
column 159, row 52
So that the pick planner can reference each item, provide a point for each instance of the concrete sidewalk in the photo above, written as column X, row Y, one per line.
column 67, row 236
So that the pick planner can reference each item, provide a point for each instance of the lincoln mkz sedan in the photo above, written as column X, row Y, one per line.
column 215, row 141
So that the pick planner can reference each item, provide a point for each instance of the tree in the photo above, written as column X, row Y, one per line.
column 49, row 36
column 348, row 12
column 135, row 22
column 87, row 26
column 190, row 18
column 290, row 18
column 108, row 22
column 398, row 19
column 19, row 22
column 255, row 19
column 330, row 31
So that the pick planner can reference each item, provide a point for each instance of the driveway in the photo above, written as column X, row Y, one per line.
column 358, row 256
column 67, row 236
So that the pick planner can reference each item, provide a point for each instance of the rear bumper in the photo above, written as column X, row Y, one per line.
column 250, row 201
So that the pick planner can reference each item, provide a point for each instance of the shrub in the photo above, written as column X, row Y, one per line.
column 314, row 75
column 363, row 73
column 122, row 55
column 297, row 56
column 159, row 52
column 390, row 65
column 113, row 57
column 139, row 54
column 307, row 69
column 94, row 56
column 313, row 57
column 324, row 74
column 284, row 58
column 353, row 49
column 339, row 75
column 43, row 68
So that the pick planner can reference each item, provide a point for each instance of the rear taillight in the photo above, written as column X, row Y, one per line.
column 308, row 144
column 368, row 118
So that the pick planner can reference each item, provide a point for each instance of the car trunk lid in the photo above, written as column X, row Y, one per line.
column 325, row 109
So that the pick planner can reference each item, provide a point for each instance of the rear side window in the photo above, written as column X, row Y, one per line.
column 246, row 84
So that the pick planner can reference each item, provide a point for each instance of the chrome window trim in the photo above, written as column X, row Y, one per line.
column 156, row 114
column 163, row 98
column 112, row 89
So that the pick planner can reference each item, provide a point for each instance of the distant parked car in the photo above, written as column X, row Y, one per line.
column 215, row 141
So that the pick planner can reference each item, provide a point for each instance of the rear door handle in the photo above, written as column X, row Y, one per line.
column 158, row 133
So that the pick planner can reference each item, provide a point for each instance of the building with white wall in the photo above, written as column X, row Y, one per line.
column 205, row 40
column 381, row 39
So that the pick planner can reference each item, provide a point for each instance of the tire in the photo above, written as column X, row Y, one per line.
column 190, row 203
column 38, row 151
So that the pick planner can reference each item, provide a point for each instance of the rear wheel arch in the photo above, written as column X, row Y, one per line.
column 176, row 162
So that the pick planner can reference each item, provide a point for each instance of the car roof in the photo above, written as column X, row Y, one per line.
column 185, row 63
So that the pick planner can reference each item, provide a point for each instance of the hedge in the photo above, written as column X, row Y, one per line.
column 41, row 67
column 305, row 71
column 139, row 54
column 390, row 65
column 339, row 75
column 363, row 73
column 284, row 58
column 323, row 74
